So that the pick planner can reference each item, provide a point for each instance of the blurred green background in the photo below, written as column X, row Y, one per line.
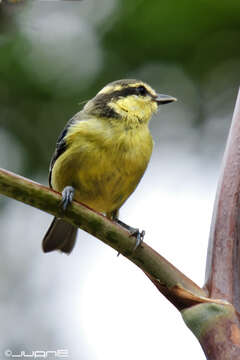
column 55, row 55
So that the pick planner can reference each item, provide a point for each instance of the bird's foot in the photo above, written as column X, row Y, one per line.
column 133, row 232
column 67, row 197
column 139, row 237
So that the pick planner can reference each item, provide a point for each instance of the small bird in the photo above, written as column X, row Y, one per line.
column 101, row 155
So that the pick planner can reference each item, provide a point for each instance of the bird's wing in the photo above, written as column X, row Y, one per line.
column 61, row 145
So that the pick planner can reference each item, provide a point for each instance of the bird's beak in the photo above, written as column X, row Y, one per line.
column 164, row 99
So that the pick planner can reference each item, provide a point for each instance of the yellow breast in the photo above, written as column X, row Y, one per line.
column 103, row 163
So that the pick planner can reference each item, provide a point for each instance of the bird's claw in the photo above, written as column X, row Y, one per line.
column 139, row 237
column 67, row 197
column 132, row 232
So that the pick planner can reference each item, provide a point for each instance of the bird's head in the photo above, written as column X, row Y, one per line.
column 128, row 100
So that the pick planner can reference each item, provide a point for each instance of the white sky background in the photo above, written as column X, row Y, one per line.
column 93, row 303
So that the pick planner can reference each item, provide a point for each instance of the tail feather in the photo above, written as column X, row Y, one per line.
column 61, row 235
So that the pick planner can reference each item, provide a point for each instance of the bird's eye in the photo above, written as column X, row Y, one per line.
column 142, row 90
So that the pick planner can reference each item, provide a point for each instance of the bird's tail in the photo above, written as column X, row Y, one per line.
column 61, row 235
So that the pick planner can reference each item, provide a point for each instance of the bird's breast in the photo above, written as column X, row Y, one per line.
column 104, row 168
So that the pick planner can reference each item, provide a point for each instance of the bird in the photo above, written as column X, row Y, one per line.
column 102, row 154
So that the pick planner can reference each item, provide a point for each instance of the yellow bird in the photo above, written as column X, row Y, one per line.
column 101, row 155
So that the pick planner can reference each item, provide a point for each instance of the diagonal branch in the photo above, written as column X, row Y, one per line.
column 170, row 281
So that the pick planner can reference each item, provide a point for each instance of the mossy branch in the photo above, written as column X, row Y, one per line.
column 171, row 282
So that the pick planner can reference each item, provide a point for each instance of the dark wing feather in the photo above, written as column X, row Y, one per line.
column 61, row 146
